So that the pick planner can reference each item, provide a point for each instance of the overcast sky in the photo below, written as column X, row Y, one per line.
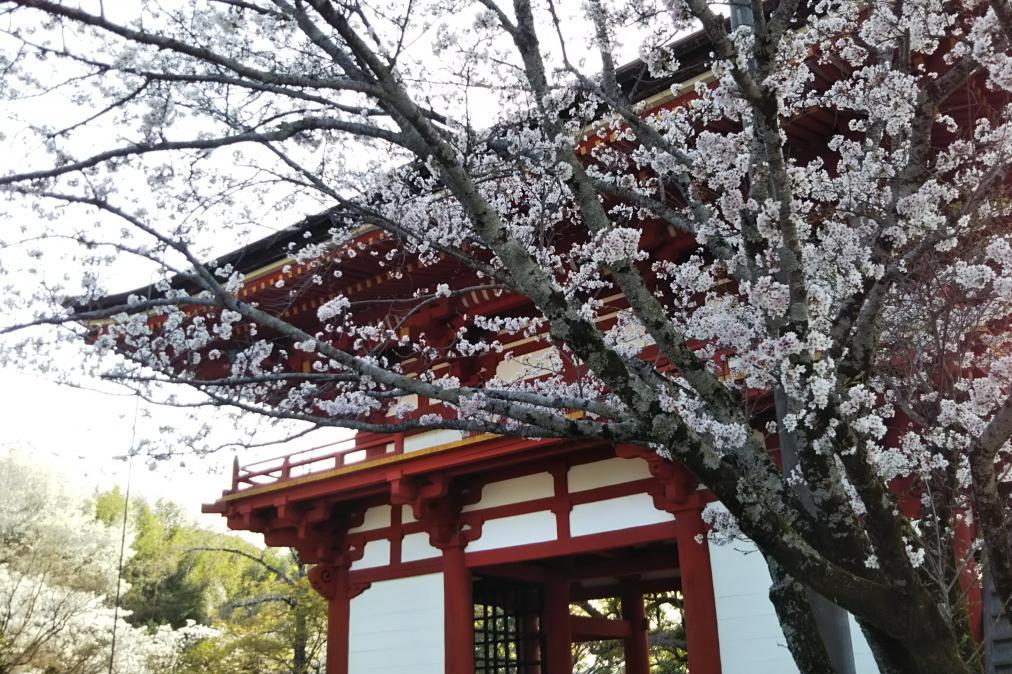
column 79, row 432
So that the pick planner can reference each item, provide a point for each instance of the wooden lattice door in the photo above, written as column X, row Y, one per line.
column 508, row 637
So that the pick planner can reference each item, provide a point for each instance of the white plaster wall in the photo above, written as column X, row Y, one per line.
column 630, row 336
column 376, row 517
column 751, row 640
column 517, row 490
column 408, row 402
column 353, row 457
column 397, row 627
column 417, row 546
column 523, row 529
column 376, row 553
column 529, row 365
column 623, row 512
column 413, row 443
column 604, row 473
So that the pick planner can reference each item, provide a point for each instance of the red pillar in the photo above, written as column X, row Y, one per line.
column 697, row 591
column 637, row 650
column 458, row 612
column 558, row 629
column 338, row 619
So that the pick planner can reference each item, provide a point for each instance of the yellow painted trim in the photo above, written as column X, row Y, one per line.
column 357, row 467
column 526, row 340
column 382, row 461
column 668, row 95
column 274, row 266
column 649, row 104
column 267, row 269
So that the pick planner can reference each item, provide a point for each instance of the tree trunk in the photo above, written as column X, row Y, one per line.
column 921, row 653
column 831, row 623
column 801, row 629
column 888, row 653
column 935, row 657
column 300, row 639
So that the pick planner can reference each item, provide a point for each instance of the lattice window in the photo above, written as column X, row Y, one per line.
column 507, row 628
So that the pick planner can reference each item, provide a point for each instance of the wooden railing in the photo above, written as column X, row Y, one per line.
column 314, row 460
column 326, row 457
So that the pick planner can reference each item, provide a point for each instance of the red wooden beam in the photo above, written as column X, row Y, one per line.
column 627, row 565
column 597, row 629
column 331, row 581
column 528, row 573
column 615, row 589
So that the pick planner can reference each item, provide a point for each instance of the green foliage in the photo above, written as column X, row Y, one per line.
column 58, row 577
column 164, row 587
column 268, row 618
column 109, row 506
column 667, row 636
column 667, row 633
column 265, row 632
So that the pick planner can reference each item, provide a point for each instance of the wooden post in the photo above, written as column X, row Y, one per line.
column 331, row 581
column 458, row 611
column 338, row 621
column 702, row 643
column 558, row 630
column 637, row 647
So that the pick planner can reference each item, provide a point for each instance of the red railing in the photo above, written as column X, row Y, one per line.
column 314, row 460
column 326, row 457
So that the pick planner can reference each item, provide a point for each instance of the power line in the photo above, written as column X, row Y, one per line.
column 122, row 535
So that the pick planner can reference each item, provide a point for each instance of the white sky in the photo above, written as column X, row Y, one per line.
column 78, row 432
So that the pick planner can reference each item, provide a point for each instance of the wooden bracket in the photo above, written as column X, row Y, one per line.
column 326, row 579
column 318, row 533
column 675, row 484
column 437, row 507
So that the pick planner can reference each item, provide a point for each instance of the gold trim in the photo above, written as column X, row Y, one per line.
column 354, row 468
column 259, row 272
column 649, row 105
column 382, row 461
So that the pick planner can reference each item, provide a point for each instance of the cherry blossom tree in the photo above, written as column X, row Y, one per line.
column 57, row 574
column 833, row 184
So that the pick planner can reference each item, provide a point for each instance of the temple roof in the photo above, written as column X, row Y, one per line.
column 635, row 79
